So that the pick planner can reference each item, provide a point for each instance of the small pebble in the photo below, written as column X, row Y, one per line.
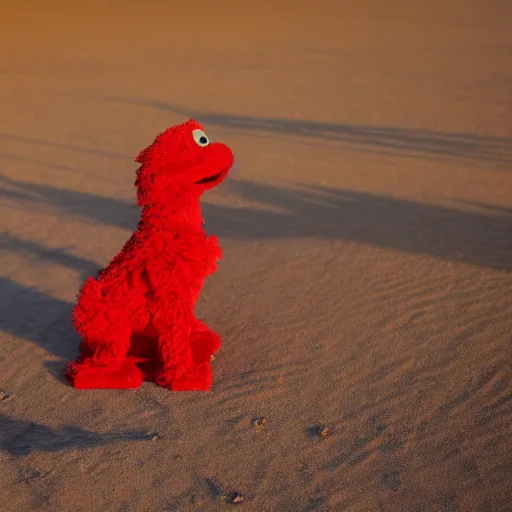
column 5, row 397
column 259, row 423
column 318, row 432
column 323, row 432
column 233, row 497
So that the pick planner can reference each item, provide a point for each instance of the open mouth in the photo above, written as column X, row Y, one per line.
column 209, row 179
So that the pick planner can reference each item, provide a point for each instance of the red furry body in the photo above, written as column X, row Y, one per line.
column 136, row 318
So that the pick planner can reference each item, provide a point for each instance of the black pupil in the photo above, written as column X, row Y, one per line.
column 203, row 139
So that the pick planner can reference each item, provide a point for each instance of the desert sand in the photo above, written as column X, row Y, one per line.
column 367, row 237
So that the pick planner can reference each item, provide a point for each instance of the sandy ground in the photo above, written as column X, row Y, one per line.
column 367, row 272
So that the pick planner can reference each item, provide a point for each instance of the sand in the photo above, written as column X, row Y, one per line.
column 367, row 237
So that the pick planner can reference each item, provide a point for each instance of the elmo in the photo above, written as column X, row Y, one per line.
column 136, row 318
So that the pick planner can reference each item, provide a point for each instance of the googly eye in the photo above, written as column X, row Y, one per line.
column 200, row 138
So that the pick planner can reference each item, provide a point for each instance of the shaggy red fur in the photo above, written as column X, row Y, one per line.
column 136, row 318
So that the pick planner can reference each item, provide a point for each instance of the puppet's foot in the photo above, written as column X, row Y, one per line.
column 198, row 379
column 204, row 343
column 127, row 376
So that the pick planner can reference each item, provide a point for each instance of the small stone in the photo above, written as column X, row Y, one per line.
column 259, row 423
column 323, row 432
column 234, row 498
column 5, row 397
column 178, row 458
column 212, row 358
column 318, row 432
column 237, row 498
column 153, row 436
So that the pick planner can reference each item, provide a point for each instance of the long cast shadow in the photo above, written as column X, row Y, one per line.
column 69, row 147
column 39, row 163
column 90, row 207
column 477, row 238
column 482, row 239
column 19, row 437
column 41, row 253
column 398, row 141
column 31, row 314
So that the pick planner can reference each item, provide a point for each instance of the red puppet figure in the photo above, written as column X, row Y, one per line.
column 136, row 318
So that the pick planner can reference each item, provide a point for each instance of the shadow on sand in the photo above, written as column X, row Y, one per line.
column 482, row 238
column 52, row 144
column 30, row 314
column 384, row 139
column 19, row 437
column 41, row 253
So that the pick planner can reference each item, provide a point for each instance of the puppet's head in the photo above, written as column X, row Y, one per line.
column 181, row 161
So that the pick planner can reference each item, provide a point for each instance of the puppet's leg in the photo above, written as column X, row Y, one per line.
column 179, row 372
column 203, row 341
column 103, row 361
